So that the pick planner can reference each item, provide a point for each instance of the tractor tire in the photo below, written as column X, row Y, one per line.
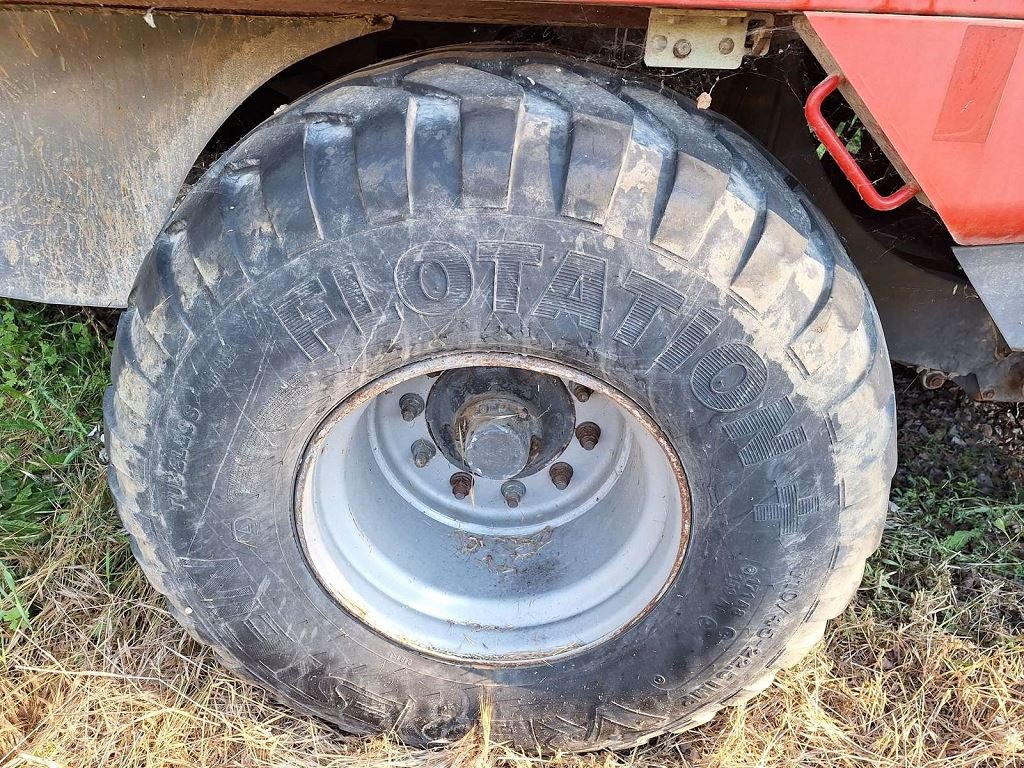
column 521, row 212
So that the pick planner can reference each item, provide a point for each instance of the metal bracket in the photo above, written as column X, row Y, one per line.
column 704, row 39
column 996, row 273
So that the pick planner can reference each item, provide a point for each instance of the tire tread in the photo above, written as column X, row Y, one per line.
column 548, row 112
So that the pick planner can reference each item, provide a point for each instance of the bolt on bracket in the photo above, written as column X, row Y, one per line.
column 704, row 39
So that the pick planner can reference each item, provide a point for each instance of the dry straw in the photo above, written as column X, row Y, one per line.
column 104, row 677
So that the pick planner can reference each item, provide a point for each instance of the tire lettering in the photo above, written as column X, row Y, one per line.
column 788, row 510
column 246, row 531
column 577, row 289
column 509, row 260
column 357, row 702
column 740, row 589
column 729, row 377
column 764, row 633
column 651, row 295
column 764, row 430
column 434, row 279
column 719, row 633
column 172, row 476
column 262, row 635
column 357, row 302
column 625, row 718
column 212, row 577
column 303, row 313
column 687, row 340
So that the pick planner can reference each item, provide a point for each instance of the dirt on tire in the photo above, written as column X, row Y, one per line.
column 575, row 217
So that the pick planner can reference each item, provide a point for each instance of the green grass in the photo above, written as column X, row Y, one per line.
column 54, row 366
column 952, row 522
column 946, row 539
column 926, row 667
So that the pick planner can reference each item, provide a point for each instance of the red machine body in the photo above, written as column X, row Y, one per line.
column 948, row 94
column 1001, row 9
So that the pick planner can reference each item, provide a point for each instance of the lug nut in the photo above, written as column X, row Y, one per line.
column 422, row 452
column 588, row 433
column 411, row 405
column 513, row 491
column 726, row 46
column 462, row 484
column 561, row 474
column 581, row 393
column 682, row 49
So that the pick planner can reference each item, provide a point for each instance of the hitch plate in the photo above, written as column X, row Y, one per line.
column 702, row 39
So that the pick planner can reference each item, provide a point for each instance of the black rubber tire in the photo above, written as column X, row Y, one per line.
column 664, row 253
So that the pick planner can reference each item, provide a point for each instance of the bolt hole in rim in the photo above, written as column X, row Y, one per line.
column 479, row 579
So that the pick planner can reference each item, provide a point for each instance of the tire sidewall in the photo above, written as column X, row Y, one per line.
column 256, row 383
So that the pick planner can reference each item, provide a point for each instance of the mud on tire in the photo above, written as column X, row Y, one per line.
column 577, row 217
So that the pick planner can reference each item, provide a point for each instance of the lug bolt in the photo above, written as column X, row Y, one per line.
column 581, row 393
column 422, row 452
column 561, row 474
column 462, row 484
column 588, row 433
column 411, row 405
column 513, row 491
column 682, row 49
column 726, row 46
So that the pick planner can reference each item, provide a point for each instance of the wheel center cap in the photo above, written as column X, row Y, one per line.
column 496, row 437
column 499, row 423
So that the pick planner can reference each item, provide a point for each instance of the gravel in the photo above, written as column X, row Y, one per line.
column 943, row 433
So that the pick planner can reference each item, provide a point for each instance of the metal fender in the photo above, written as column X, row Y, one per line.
column 102, row 115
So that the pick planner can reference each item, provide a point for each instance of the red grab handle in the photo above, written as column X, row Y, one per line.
column 846, row 162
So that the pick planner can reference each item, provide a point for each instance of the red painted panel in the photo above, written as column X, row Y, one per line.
column 979, row 79
column 997, row 9
column 949, row 95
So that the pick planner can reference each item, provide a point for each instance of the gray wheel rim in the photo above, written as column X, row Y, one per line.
column 472, row 579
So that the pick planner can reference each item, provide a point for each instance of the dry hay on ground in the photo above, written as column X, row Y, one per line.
column 108, row 679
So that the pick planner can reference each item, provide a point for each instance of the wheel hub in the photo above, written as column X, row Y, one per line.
column 494, row 436
column 500, row 423
column 539, row 527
